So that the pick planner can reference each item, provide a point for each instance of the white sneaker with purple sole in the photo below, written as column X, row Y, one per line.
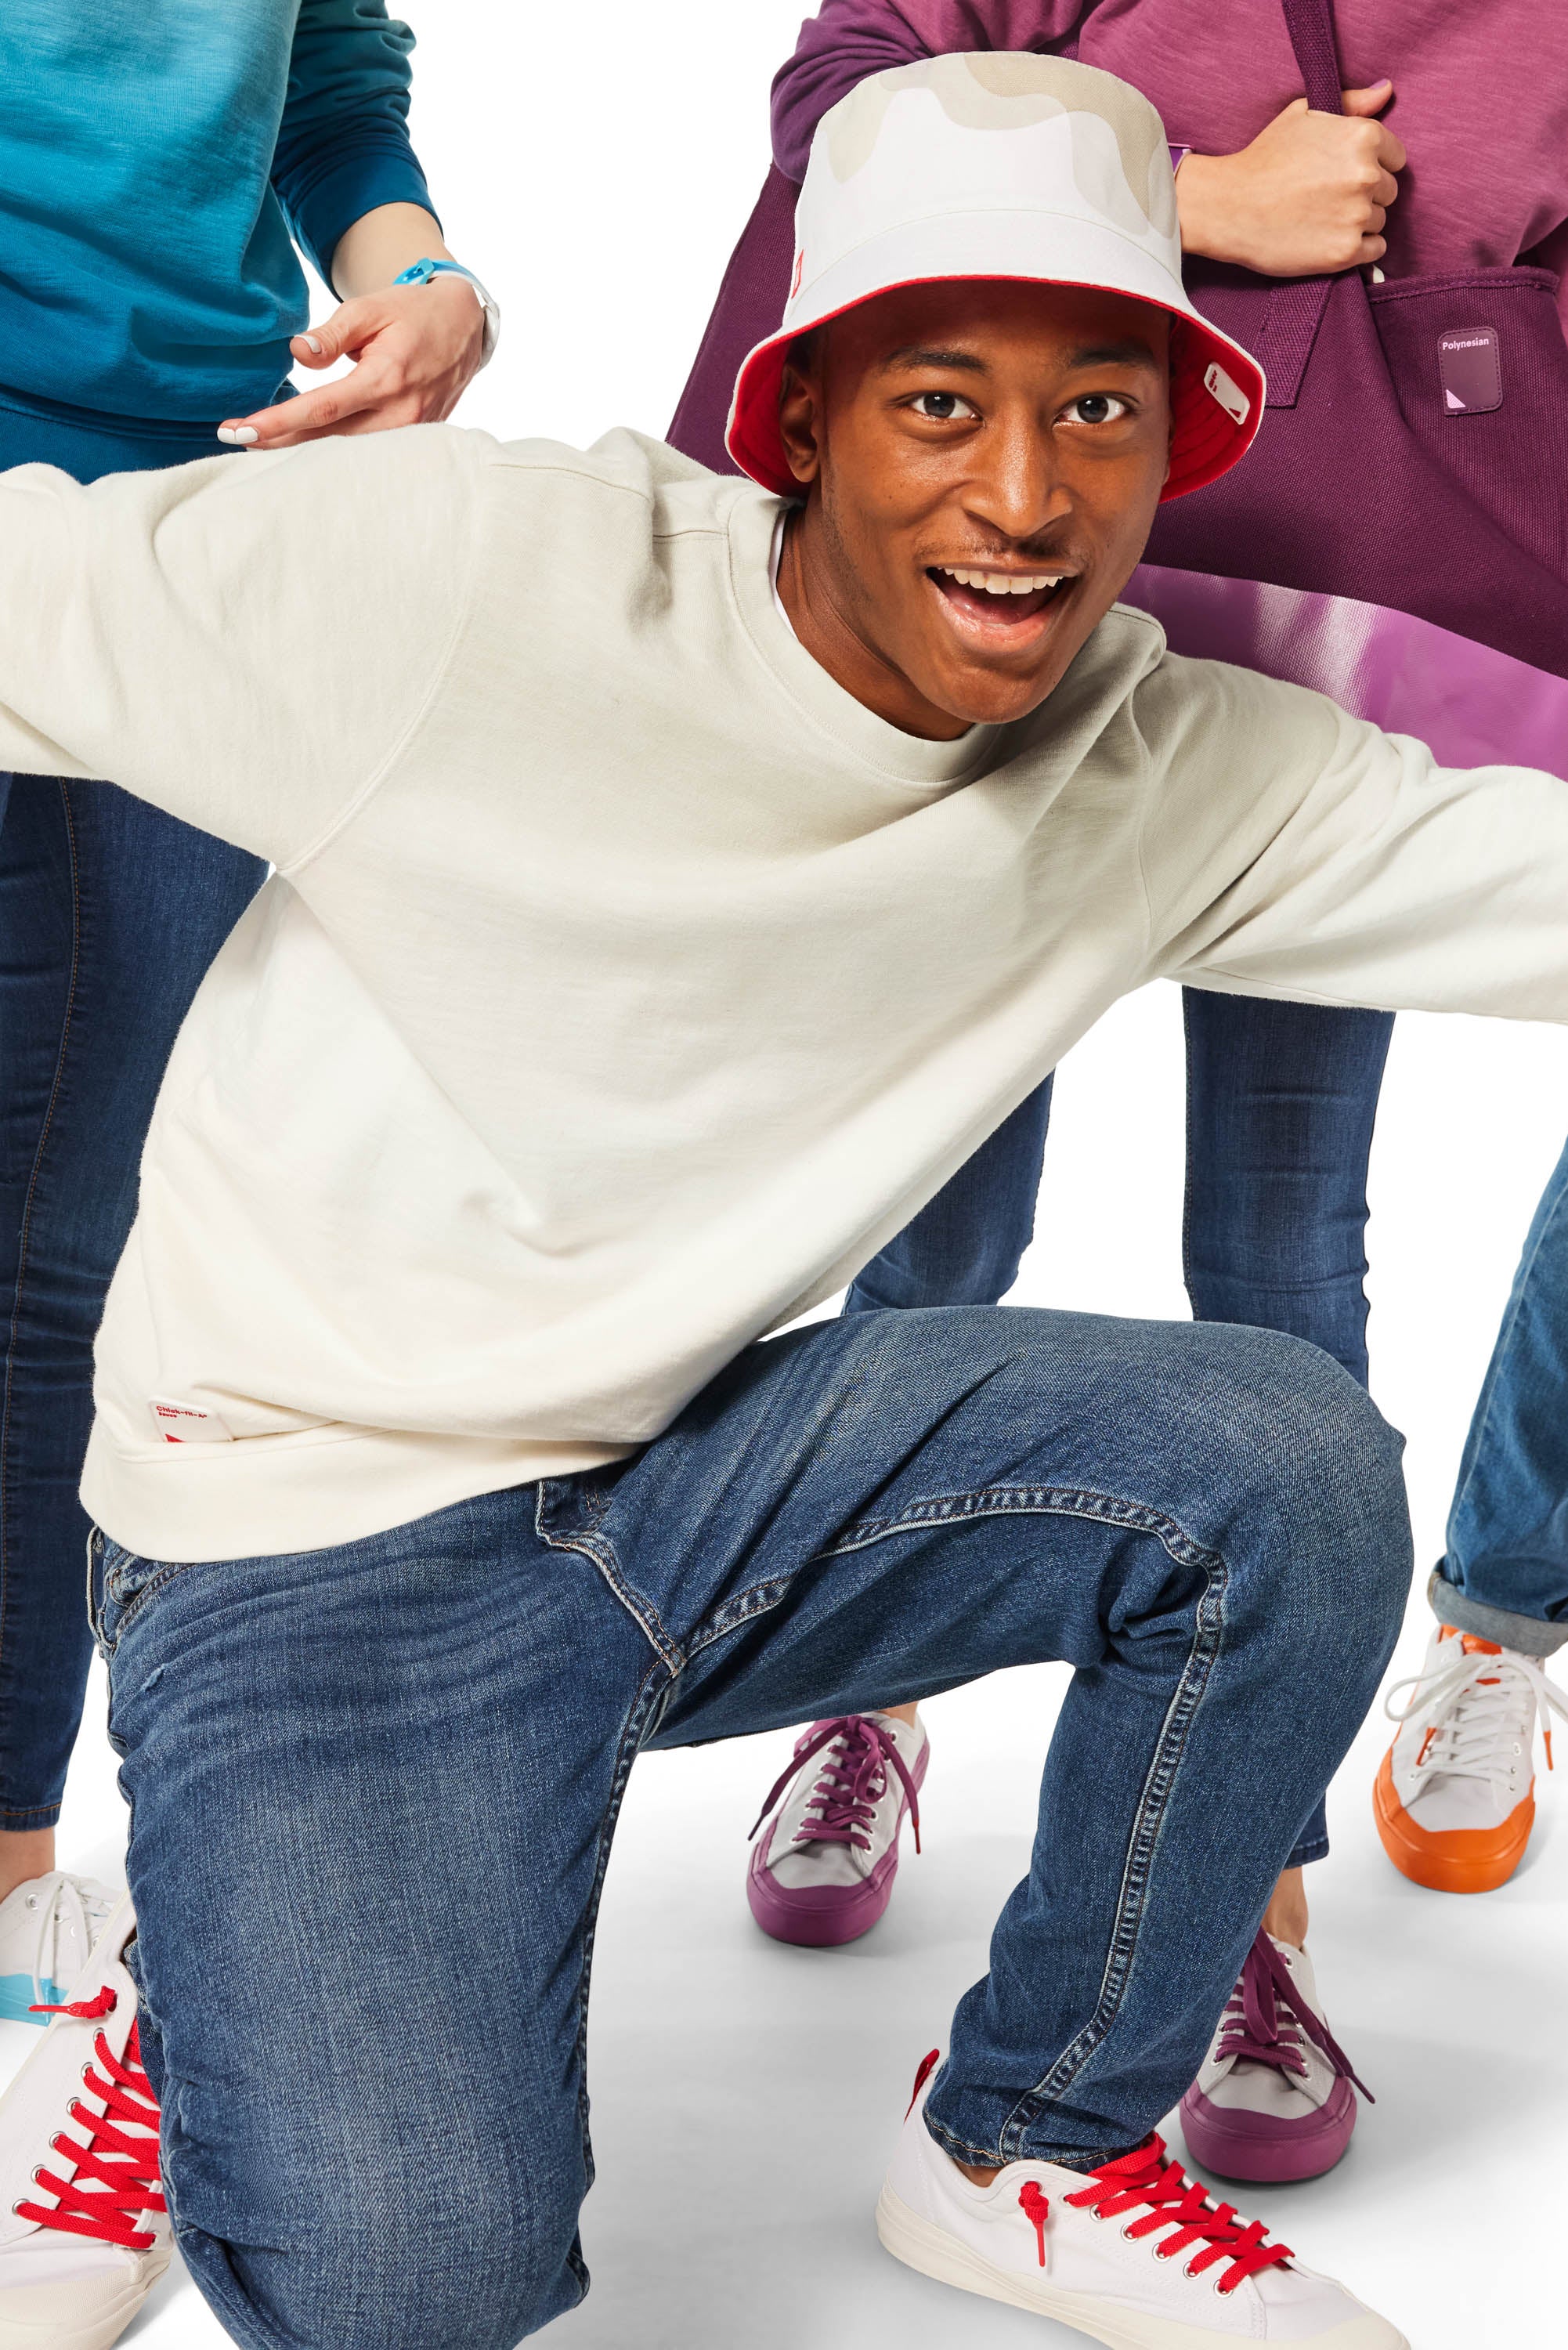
column 1276, row 2096
column 822, row 1868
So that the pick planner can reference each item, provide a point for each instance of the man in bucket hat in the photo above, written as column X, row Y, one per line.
column 674, row 882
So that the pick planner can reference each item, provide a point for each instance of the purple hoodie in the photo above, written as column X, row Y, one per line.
column 1481, row 101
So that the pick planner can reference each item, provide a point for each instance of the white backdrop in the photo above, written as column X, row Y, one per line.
column 596, row 165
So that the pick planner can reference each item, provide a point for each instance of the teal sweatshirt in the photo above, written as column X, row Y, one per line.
column 156, row 159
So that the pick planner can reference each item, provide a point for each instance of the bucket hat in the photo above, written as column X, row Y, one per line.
column 1009, row 165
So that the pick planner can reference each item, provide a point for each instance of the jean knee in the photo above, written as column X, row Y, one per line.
column 1328, row 1475
column 481, row 2270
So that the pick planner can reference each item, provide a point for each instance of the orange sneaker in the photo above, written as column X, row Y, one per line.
column 1455, row 1798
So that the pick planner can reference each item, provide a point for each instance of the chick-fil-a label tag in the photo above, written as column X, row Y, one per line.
column 1470, row 371
column 185, row 1423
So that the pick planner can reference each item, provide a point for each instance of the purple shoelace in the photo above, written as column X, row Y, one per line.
column 1256, row 2031
column 852, row 1781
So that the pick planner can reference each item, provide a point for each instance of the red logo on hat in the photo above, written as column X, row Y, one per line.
column 799, row 274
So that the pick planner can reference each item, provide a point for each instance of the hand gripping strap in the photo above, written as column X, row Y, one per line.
column 1297, row 303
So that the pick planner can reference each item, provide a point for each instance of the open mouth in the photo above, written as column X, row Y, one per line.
column 1000, row 605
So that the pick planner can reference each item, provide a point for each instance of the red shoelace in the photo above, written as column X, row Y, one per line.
column 116, row 2178
column 851, row 1783
column 1147, row 2177
column 1146, row 2180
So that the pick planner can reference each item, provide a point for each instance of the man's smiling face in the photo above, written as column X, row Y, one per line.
column 982, row 461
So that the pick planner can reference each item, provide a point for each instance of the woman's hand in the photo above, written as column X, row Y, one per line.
column 415, row 350
column 1311, row 193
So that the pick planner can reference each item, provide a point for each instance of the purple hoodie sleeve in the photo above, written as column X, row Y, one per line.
column 848, row 39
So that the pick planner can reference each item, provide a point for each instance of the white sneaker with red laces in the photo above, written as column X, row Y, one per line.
column 83, row 2231
column 47, row 1928
column 1134, row 2253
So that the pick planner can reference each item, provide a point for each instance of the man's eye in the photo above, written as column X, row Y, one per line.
column 1097, row 408
column 941, row 406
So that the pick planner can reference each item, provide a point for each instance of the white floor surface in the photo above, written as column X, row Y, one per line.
column 746, row 2096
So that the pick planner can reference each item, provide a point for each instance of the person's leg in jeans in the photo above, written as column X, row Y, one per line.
column 372, row 1788
column 1504, row 1575
column 1455, row 1796
column 965, row 1246
column 812, row 1879
column 1281, row 1104
column 1281, row 1099
column 109, row 915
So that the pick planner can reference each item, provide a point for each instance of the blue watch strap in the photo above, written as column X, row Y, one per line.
column 420, row 273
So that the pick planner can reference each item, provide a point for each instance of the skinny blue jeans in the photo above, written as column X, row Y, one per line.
column 373, row 1788
column 1505, row 1574
column 1281, row 1103
column 109, row 915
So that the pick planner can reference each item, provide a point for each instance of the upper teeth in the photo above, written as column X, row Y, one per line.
column 1006, row 583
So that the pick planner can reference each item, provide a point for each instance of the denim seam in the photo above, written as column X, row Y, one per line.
column 25, row 1240
column 756, row 1601
column 998, row 1501
column 1207, row 1632
column 646, row 1703
column 167, row 1573
column 1044, row 1501
column 600, row 1552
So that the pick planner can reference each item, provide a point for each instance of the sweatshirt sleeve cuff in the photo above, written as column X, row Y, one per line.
column 351, row 184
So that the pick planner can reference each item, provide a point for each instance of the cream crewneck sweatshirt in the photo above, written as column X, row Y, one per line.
column 624, row 984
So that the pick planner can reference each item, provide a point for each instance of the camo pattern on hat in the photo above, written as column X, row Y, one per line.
column 999, row 164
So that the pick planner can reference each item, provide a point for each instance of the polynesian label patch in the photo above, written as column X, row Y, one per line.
column 186, row 1423
column 1470, row 371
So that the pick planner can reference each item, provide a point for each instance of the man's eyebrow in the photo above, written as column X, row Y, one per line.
column 1128, row 354
column 918, row 355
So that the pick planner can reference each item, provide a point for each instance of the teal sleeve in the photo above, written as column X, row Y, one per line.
column 343, row 145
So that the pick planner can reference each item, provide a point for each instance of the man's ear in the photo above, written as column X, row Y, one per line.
column 801, row 421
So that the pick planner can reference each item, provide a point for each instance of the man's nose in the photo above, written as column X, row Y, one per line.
column 1017, row 485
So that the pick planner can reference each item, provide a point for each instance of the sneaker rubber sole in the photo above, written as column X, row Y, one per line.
column 921, row 2244
column 1458, row 1860
column 825, row 1918
column 52, row 2328
column 1236, row 2144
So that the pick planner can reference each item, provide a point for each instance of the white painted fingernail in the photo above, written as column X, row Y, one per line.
column 242, row 434
column 313, row 342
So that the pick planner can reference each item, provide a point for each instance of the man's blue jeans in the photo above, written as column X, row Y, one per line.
column 1281, row 1103
column 109, row 914
column 373, row 1788
column 1505, row 1576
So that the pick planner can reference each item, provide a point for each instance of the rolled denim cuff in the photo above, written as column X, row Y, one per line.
column 1531, row 1635
column 1315, row 1848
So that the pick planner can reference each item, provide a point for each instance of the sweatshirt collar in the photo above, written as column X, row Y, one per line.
column 899, row 757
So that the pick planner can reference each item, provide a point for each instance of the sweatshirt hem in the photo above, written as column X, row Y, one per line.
column 269, row 1497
